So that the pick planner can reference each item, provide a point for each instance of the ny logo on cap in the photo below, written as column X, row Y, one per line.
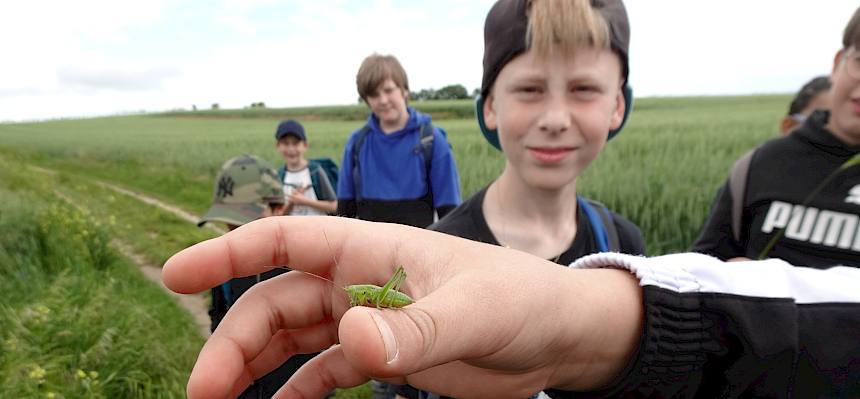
column 225, row 187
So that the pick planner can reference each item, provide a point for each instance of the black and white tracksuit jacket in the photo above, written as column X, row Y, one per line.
column 744, row 329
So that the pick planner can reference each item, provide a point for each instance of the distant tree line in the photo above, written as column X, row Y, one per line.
column 450, row 92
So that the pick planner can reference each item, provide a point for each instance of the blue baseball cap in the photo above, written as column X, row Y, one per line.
column 292, row 128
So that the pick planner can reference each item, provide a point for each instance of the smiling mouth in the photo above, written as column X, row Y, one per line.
column 550, row 155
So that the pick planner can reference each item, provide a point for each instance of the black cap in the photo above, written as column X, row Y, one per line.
column 505, row 38
column 507, row 23
column 290, row 127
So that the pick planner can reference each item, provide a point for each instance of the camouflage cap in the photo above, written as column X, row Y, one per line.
column 245, row 187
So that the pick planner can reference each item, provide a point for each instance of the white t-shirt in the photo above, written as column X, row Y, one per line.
column 294, row 181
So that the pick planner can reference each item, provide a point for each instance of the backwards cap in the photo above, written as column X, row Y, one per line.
column 245, row 187
column 505, row 38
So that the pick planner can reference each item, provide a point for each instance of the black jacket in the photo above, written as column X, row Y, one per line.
column 782, row 173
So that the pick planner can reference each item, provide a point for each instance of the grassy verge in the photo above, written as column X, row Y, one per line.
column 77, row 320
column 30, row 199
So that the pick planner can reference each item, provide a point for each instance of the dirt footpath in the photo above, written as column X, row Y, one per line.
column 195, row 304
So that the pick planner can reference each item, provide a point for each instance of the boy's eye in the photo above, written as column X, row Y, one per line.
column 528, row 89
column 585, row 89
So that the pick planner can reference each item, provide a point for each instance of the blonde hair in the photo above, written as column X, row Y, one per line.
column 565, row 25
column 375, row 70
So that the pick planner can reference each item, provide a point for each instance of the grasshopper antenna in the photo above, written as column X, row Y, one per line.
column 311, row 274
column 332, row 258
column 330, row 250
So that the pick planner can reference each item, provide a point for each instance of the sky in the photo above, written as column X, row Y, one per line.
column 81, row 58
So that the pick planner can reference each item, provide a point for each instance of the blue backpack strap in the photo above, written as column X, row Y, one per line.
column 602, row 225
column 320, row 181
column 282, row 172
column 313, row 167
column 227, row 290
column 356, row 148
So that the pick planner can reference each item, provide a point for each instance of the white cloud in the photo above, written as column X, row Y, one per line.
column 65, row 62
column 119, row 79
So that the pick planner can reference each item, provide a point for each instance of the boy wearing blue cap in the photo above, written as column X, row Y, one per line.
column 308, row 189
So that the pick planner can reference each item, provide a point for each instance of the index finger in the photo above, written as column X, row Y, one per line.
column 306, row 243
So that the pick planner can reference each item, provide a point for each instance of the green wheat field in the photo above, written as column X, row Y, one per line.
column 78, row 320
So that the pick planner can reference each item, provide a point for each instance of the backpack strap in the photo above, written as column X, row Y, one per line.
column 425, row 145
column 282, row 173
column 320, row 181
column 313, row 169
column 602, row 225
column 737, row 189
column 227, row 290
column 356, row 148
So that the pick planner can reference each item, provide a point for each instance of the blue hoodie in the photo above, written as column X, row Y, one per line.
column 392, row 171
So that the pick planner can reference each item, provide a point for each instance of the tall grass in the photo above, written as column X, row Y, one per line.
column 76, row 320
column 661, row 172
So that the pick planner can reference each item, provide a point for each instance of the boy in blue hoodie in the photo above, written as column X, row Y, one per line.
column 398, row 167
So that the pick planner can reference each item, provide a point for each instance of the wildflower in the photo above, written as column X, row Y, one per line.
column 80, row 374
column 50, row 395
column 37, row 373
column 94, row 374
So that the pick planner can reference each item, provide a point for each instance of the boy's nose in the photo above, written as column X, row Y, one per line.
column 556, row 117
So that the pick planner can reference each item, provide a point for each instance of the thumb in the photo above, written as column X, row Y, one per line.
column 433, row 331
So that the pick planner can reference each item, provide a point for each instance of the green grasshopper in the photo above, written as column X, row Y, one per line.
column 387, row 296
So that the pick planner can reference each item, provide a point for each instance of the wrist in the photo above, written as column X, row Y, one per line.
column 601, row 330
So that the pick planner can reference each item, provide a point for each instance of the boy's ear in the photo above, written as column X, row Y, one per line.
column 490, row 117
column 787, row 125
column 618, row 112
column 837, row 60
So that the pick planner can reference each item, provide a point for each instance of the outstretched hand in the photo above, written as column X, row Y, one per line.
column 487, row 321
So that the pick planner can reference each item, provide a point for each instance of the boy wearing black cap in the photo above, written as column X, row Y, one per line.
column 554, row 91
column 770, row 190
column 307, row 188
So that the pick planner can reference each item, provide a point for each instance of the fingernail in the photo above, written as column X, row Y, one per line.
column 387, row 337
